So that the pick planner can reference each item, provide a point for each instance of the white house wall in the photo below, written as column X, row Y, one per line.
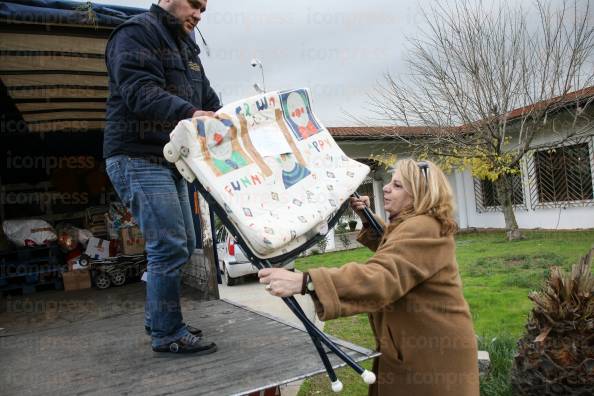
column 464, row 207
column 565, row 217
column 463, row 188
column 554, row 218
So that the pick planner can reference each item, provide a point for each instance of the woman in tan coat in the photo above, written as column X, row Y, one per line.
column 410, row 288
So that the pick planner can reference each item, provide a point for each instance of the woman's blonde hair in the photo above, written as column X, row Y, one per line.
column 431, row 192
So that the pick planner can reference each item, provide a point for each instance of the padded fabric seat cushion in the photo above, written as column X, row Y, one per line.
column 278, row 173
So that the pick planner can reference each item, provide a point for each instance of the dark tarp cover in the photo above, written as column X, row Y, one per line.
column 65, row 12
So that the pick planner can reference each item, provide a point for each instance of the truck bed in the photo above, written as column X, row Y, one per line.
column 108, row 353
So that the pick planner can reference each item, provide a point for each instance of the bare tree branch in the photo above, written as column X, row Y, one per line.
column 476, row 64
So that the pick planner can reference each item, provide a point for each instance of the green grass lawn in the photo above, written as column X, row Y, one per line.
column 497, row 277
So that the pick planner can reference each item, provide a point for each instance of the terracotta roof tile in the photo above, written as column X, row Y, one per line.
column 379, row 132
column 376, row 132
column 558, row 100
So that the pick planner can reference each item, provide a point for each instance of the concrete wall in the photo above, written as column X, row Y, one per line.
column 197, row 273
column 336, row 244
column 340, row 245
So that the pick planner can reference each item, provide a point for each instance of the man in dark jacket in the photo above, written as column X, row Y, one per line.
column 156, row 79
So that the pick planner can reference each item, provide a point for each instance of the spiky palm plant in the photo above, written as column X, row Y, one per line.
column 556, row 354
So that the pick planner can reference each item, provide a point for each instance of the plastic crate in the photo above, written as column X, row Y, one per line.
column 29, row 268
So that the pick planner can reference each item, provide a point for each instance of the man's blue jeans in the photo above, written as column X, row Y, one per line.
column 157, row 196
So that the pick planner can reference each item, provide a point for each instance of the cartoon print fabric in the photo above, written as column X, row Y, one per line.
column 293, row 171
column 219, row 144
column 271, row 164
column 297, row 114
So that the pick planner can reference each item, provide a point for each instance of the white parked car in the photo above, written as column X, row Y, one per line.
column 232, row 260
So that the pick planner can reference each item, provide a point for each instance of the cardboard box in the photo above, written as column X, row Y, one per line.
column 97, row 249
column 76, row 280
column 131, row 240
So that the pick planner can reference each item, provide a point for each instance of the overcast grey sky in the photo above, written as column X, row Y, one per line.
column 340, row 49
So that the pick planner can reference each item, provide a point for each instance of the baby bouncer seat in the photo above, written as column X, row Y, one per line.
column 275, row 177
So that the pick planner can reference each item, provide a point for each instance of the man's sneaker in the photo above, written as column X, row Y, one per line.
column 188, row 344
column 191, row 329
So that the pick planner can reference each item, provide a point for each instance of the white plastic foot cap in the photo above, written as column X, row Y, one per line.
column 170, row 152
column 336, row 386
column 368, row 377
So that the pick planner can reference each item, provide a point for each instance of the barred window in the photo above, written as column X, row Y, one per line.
column 564, row 174
column 486, row 198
